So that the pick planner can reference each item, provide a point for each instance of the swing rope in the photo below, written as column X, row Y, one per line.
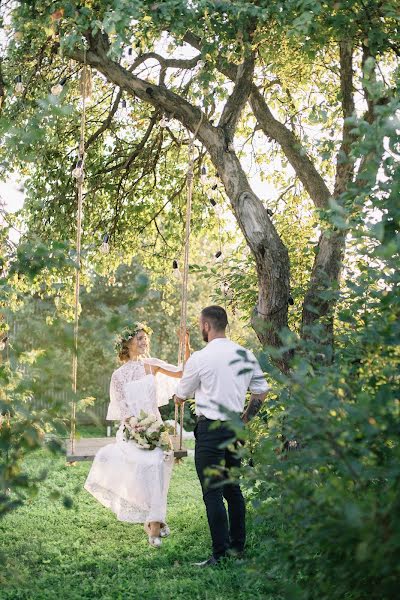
column 79, row 187
column 185, row 276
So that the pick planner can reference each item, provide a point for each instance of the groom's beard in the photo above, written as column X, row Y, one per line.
column 205, row 335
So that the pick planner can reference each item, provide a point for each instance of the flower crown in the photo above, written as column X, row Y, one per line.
column 129, row 332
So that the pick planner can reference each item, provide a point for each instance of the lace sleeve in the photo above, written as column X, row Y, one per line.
column 157, row 362
column 117, row 395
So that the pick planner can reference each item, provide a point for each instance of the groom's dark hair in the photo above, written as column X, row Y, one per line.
column 216, row 316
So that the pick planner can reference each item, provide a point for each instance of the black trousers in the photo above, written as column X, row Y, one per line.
column 208, row 454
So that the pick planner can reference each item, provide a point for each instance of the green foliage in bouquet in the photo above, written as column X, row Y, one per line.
column 147, row 431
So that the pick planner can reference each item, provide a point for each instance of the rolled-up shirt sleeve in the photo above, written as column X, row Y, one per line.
column 257, row 384
column 190, row 379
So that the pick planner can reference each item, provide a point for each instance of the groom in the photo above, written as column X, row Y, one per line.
column 219, row 378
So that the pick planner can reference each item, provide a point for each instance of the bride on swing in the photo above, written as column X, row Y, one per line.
column 131, row 481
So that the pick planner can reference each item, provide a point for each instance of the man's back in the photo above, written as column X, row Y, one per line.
column 220, row 375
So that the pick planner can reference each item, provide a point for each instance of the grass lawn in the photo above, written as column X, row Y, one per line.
column 51, row 552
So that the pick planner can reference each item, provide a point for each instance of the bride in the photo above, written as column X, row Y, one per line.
column 131, row 481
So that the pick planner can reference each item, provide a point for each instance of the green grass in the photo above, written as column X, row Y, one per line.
column 86, row 431
column 50, row 552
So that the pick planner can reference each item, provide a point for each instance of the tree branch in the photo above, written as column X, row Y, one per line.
column 159, row 96
column 272, row 128
column 166, row 63
column 238, row 99
column 344, row 165
column 106, row 124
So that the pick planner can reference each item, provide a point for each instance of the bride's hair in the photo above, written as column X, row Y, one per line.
column 123, row 352
column 123, row 341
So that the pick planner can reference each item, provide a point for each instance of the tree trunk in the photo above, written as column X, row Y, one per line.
column 319, row 301
column 271, row 255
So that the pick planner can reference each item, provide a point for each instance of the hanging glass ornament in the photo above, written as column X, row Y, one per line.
column 77, row 173
column 105, row 247
column 219, row 256
column 218, row 210
column 203, row 176
column 225, row 287
column 226, row 290
column 56, row 89
column 19, row 86
column 212, row 194
column 124, row 108
column 217, row 207
column 175, row 270
column 164, row 122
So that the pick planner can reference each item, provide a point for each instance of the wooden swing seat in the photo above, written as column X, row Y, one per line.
column 86, row 448
column 176, row 446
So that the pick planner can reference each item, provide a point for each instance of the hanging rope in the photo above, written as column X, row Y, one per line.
column 80, row 176
column 185, row 275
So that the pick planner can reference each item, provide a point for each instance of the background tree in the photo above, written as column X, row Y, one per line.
column 295, row 67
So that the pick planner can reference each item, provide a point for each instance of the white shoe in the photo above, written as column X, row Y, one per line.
column 165, row 531
column 155, row 541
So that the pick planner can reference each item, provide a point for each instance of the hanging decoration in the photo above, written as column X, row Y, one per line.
column 19, row 86
column 164, row 122
column 58, row 87
column 175, row 270
column 105, row 246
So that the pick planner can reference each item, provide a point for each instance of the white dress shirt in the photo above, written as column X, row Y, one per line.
column 219, row 376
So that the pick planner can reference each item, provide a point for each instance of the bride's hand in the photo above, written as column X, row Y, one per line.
column 187, row 336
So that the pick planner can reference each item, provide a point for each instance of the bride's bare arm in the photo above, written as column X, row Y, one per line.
column 175, row 375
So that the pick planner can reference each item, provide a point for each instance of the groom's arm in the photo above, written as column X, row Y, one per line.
column 190, row 380
column 259, row 389
column 253, row 406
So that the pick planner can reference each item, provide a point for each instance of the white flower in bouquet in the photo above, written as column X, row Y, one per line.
column 153, row 428
column 148, row 420
column 147, row 432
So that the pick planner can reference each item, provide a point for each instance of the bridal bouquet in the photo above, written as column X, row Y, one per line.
column 147, row 431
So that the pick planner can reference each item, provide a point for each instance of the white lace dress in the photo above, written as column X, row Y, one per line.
column 132, row 482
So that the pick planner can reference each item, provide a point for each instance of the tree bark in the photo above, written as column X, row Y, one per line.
column 320, row 299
